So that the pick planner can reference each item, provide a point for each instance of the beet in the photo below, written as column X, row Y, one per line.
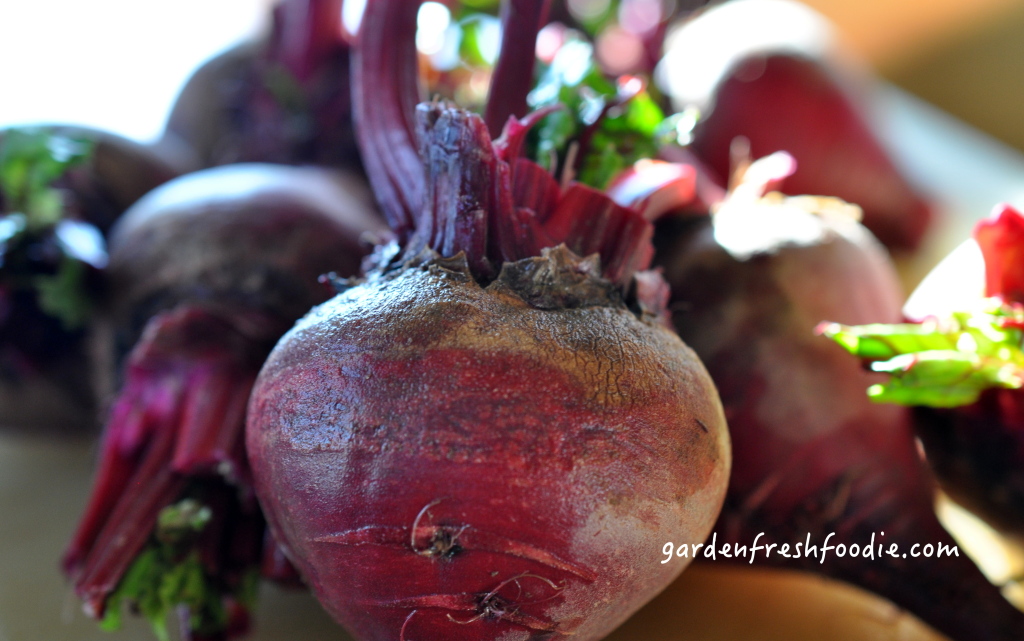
column 206, row 273
column 977, row 450
column 487, row 436
column 812, row 455
column 787, row 96
column 283, row 98
column 961, row 367
column 61, row 188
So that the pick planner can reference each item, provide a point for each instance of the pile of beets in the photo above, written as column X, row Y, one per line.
column 464, row 373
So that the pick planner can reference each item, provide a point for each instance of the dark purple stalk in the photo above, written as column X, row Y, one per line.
column 306, row 32
column 475, row 195
column 386, row 59
column 513, row 74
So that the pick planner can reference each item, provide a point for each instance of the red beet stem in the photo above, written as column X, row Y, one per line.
column 385, row 91
column 305, row 33
column 1001, row 240
column 179, row 417
column 479, row 197
column 460, row 202
column 521, row 20
column 129, row 525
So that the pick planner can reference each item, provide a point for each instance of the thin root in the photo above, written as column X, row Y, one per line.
column 401, row 634
column 416, row 525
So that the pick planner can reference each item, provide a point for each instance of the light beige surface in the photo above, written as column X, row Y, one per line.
column 892, row 33
column 720, row 603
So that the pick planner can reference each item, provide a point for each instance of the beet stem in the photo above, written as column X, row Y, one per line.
column 512, row 79
column 385, row 92
column 305, row 33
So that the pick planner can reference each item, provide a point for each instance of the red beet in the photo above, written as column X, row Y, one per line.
column 91, row 177
column 283, row 99
column 206, row 273
column 812, row 455
column 970, row 406
column 484, row 438
column 977, row 450
column 786, row 96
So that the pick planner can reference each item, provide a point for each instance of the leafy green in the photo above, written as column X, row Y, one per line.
column 169, row 573
column 62, row 295
column 616, row 122
column 480, row 5
column 31, row 160
column 286, row 90
column 475, row 51
column 944, row 363
column 596, row 15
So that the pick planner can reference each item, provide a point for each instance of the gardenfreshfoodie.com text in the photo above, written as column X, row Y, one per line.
column 876, row 548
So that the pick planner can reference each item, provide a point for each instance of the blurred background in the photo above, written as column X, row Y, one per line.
column 117, row 64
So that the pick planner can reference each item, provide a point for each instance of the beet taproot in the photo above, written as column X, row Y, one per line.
column 812, row 455
column 488, row 436
column 206, row 274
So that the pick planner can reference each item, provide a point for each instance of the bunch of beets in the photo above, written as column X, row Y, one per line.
column 464, row 374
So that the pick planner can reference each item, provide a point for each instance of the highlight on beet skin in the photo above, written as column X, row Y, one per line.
column 206, row 273
column 961, row 364
column 491, row 433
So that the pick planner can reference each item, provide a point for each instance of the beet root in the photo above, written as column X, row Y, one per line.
column 445, row 460
column 283, row 98
column 785, row 89
column 206, row 272
column 489, row 436
column 976, row 453
column 812, row 454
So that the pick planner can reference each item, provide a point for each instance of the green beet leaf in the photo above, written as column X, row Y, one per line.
column 940, row 363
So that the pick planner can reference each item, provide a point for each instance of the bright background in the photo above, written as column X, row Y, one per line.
column 117, row 64
column 112, row 64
